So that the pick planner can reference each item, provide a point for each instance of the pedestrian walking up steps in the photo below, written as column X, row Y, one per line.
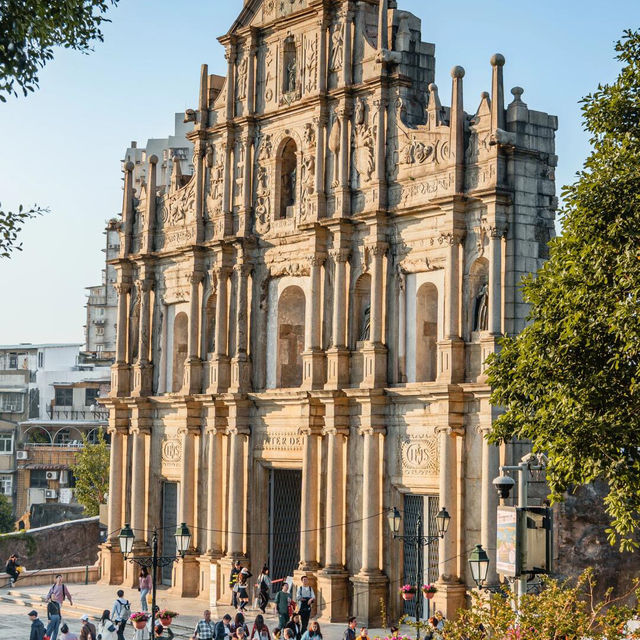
column 38, row 602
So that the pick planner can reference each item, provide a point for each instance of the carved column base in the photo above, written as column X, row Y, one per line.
column 240, row 374
column 111, row 563
column 309, row 571
column 131, row 570
column 374, row 366
column 368, row 590
column 449, row 598
column 337, row 368
column 192, row 376
column 225, row 565
column 142, row 380
column 451, row 361
column 488, row 345
column 209, row 586
column 313, row 363
column 120, row 380
column 219, row 374
column 333, row 595
column 186, row 577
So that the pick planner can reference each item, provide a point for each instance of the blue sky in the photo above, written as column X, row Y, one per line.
column 62, row 145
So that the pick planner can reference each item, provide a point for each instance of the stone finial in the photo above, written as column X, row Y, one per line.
column 456, row 125
column 457, row 72
column 434, row 108
column 128, row 166
column 153, row 159
column 203, row 102
column 517, row 92
column 497, row 92
column 517, row 110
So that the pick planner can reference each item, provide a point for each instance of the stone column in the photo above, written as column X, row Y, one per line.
column 343, row 192
column 230, row 55
column 142, row 370
column 322, row 56
column 219, row 367
column 193, row 365
column 244, row 218
column 375, row 352
column 495, row 281
column 120, row 371
column 313, row 357
column 236, row 503
column 338, row 354
column 241, row 365
column 377, row 253
column 380, row 104
column 320, row 186
column 187, row 487
column 138, row 486
column 347, row 15
column 489, row 502
column 448, row 489
column 308, row 510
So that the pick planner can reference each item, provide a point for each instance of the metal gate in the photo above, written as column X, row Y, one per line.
column 285, row 487
column 169, row 523
column 427, row 507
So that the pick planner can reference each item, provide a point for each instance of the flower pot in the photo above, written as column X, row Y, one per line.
column 166, row 621
column 139, row 624
column 429, row 595
column 408, row 596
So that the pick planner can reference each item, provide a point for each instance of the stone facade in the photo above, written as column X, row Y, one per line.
column 320, row 296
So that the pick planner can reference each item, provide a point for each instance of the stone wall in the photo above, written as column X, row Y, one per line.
column 581, row 524
column 60, row 545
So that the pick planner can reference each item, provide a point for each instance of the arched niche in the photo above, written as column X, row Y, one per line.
column 290, row 337
column 180, row 342
column 426, row 332
column 362, row 308
column 210, row 324
column 477, row 317
column 288, row 179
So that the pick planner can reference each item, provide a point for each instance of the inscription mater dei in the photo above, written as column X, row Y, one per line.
column 282, row 440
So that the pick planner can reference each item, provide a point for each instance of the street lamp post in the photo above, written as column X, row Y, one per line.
column 419, row 541
column 183, row 541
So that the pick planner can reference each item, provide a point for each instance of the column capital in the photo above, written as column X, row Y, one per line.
column 377, row 248
column 316, row 260
column 237, row 431
column 340, row 255
column 243, row 268
column 196, row 277
column 499, row 230
column 372, row 430
column 122, row 288
column 335, row 431
column 140, row 429
column 145, row 286
column 449, row 430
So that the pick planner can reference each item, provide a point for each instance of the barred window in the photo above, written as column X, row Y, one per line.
column 6, row 443
column 11, row 402
column 6, row 484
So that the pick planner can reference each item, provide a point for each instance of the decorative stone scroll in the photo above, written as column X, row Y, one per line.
column 419, row 455
column 282, row 440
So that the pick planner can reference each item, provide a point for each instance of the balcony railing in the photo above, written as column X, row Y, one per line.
column 65, row 413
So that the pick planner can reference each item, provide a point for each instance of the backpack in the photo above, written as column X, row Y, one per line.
column 124, row 610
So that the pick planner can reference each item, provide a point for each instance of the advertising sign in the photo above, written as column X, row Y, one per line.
column 507, row 550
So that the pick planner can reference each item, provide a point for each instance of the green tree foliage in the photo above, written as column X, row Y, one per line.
column 7, row 522
column 30, row 29
column 10, row 226
column 570, row 381
column 561, row 611
column 91, row 471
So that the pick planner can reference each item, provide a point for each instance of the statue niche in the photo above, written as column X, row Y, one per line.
column 288, row 179
column 290, row 66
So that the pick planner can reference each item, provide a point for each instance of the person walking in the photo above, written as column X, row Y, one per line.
column 106, row 628
column 239, row 623
column 242, row 589
column 222, row 630
column 120, row 613
column 205, row 629
column 260, row 630
column 283, row 597
column 350, row 631
column 65, row 634
column 305, row 597
column 264, row 589
column 313, row 632
column 144, row 587
column 59, row 592
column 37, row 628
column 88, row 630
column 11, row 568
column 295, row 626
column 53, row 615
column 233, row 578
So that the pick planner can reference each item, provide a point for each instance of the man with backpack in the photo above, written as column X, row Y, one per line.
column 59, row 592
column 121, row 613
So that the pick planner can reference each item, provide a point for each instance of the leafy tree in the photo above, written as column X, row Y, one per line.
column 91, row 471
column 11, row 224
column 7, row 523
column 561, row 611
column 570, row 381
column 29, row 29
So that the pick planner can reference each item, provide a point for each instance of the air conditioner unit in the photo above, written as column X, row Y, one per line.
column 22, row 455
column 50, row 493
column 52, row 475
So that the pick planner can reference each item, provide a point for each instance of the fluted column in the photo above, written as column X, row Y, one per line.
column 489, row 502
column 308, row 511
column 313, row 357
column 495, row 281
column 371, row 503
column 339, row 329
column 236, row 482
column 334, row 504
column 114, row 514
column 377, row 285
column 452, row 289
column 221, row 313
column 241, row 374
column 123, row 290
column 144, row 287
column 194, row 316
column 187, row 487
column 138, row 485
column 214, row 492
column 448, row 490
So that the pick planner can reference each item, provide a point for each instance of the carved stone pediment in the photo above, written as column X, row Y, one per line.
column 262, row 12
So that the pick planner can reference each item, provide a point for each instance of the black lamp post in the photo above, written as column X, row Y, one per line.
column 419, row 541
column 183, row 542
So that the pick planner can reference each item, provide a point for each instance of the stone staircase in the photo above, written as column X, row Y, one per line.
column 39, row 603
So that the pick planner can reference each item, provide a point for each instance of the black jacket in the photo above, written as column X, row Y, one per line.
column 37, row 630
column 220, row 631
column 349, row 634
column 297, row 629
column 53, row 609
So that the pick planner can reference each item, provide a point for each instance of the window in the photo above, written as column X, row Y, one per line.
column 38, row 479
column 64, row 396
column 63, row 436
column 40, row 359
column 13, row 361
column 6, row 443
column 6, row 484
column 11, row 402
column 90, row 396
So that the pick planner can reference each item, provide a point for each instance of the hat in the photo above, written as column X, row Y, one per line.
column 245, row 571
column 84, row 616
column 33, row 612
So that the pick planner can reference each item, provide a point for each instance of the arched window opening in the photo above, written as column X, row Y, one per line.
column 291, row 319
column 180, row 340
column 288, row 179
column 426, row 333
column 363, row 308
column 210, row 324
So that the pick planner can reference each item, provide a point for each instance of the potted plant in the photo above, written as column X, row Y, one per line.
column 166, row 616
column 139, row 619
column 408, row 591
column 429, row 590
